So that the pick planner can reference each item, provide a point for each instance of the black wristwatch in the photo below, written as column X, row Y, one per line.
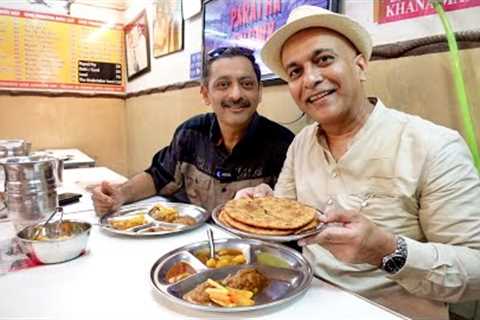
column 395, row 261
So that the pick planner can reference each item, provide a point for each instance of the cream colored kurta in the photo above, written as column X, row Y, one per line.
column 411, row 177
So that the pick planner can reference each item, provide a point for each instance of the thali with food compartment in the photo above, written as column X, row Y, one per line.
column 266, row 237
column 163, row 218
column 255, row 275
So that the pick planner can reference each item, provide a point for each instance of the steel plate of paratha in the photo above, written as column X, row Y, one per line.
column 268, row 218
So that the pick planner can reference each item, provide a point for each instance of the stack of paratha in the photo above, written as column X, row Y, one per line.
column 268, row 216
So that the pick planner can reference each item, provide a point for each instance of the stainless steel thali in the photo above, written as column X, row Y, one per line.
column 244, row 234
column 154, row 227
column 289, row 274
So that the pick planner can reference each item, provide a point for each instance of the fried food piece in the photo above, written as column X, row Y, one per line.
column 127, row 223
column 198, row 295
column 212, row 291
column 170, row 215
column 163, row 213
column 247, row 279
column 234, row 291
column 187, row 220
column 229, row 297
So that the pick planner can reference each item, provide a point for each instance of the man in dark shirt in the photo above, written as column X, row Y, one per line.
column 213, row 155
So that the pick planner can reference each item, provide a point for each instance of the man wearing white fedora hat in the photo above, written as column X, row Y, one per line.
column 403, row 192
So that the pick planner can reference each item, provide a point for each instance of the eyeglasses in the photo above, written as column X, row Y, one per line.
column 217, row 52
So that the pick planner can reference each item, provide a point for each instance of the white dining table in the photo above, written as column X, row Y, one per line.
column 74, row 158
column 112, row 280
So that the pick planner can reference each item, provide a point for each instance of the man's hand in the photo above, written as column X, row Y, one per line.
column 262, row 190
column 107, row 198
column 354, row 238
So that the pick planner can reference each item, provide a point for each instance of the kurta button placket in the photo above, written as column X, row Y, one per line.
column 329, row 201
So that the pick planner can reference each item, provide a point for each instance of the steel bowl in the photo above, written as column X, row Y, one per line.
column 55, row 242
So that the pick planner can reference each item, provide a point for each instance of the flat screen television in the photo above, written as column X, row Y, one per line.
column 248, row 23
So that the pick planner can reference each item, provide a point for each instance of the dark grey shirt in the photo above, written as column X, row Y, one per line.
column 197, row 168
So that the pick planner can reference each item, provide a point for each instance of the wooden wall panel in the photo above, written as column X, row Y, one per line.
column 93, row 125
column 421, row 85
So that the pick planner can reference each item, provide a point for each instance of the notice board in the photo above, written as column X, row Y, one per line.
column 55, row 52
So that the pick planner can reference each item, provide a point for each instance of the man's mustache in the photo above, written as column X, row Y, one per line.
column 236, row 104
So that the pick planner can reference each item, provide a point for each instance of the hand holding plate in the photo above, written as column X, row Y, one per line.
column 353, row 238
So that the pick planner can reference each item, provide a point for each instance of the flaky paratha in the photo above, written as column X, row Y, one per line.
column 224, row 218
column 310, row 226
column 270, row 213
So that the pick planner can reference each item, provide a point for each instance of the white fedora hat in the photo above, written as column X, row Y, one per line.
column 304, row 17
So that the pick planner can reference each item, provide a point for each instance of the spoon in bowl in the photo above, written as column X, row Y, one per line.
column 211, row 243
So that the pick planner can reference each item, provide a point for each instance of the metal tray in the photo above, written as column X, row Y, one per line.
column 199, row 214
column 244, row 234
column 288, row 272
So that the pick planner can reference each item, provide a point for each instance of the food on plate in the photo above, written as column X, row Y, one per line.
column 170, row 215
column 198, row 295
column 268, row 259
column 227, row 296
column 225, row 218
column 162, row 213
column 189, row 221
column 124, row 223
column 269, row 216
column 233, row 291
column 223, row 258
column 246, row 279
column 179, row 271
column 156, row 229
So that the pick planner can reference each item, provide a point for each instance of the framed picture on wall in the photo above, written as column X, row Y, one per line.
column 167, row 27
column 249, row 24
column 137, row 49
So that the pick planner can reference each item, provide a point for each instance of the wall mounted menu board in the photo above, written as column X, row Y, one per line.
column 47, row 51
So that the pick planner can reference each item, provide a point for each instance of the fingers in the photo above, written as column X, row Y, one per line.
column 245, row 193
column 339, row 216
column 334, row 234
column 107, row 188
column 101, row 198
column 102, row 202
column 262, row 190
column 101, row 210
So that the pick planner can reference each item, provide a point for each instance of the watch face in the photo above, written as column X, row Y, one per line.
column 395, row 263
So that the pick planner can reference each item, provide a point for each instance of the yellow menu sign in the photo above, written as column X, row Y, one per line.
column 47, row 51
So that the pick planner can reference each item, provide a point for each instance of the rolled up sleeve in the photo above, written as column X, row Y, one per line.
column 164, row 168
